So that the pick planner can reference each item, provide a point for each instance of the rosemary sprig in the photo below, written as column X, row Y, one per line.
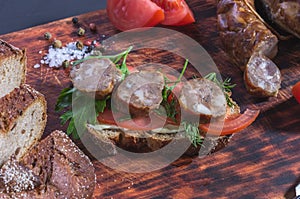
column 226, row 86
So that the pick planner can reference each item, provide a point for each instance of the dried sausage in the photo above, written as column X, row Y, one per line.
column 245, row 39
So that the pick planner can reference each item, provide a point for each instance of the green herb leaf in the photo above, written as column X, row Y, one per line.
column 64, row 99
column 168, row 81
column 114, row 58
column 192, row 132
column 86, row 110
column 170, row 105
column 66, row 117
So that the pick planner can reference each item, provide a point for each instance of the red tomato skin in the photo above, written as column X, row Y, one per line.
column 296, row 91
column 177, row 12
column 131, row 14
column 232, row 125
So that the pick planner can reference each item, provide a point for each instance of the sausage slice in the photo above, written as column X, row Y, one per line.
column 203, row 97
column 139, row 93
column 96, row 76
column 262, row 76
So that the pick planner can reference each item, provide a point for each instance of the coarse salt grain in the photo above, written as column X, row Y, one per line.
column 37, row 66
column 56, row 56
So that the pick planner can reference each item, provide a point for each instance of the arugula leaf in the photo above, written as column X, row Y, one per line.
column 64, row 99
column 86, row 110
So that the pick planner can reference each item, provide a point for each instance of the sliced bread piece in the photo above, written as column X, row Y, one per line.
column 22, row 121
column 12, row 67
column 61, row 168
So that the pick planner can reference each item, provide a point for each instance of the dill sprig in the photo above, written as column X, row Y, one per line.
column 169, row 101
column 226, row 86
column 192, row 132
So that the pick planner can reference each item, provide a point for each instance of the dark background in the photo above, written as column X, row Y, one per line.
column 20, row 14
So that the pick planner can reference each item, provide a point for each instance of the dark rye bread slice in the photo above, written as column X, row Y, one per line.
column 23, row 119
column 62, row 169
column 12, row 67
column 109, row 138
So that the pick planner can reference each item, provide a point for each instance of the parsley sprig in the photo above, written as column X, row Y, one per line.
column 87, row 109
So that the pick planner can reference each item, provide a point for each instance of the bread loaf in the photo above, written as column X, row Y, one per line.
column 22, row 121
column 62, row 169
column 12, row 67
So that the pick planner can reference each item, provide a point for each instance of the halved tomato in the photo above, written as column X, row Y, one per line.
column 177, row 12
column 232, row 125
column 130, row 14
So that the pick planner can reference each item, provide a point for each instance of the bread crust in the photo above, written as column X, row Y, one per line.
column 56, row 168
column 16, row 133
column 9, row 53
column 108, row 138
column 16, row 103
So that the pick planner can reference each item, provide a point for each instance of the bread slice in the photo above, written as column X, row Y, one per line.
column 12, row 67
column 22, row 121
column 62, row 169
column 107, row 138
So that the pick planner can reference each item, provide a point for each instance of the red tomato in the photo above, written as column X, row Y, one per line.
column 232, row 125
column 140, row 123
column 177, row 12
column 130, row 14
column 296, row 91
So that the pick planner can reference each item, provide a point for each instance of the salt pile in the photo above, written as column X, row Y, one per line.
column 56, row 56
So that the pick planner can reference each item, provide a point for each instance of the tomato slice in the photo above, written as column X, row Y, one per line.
column 140, row 123
column 232, row 125
column 177, row 12
column 130, row 14
column 296, row 91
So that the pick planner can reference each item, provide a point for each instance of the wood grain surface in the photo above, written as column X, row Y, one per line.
column 263, row 161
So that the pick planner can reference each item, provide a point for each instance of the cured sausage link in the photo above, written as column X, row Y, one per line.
column 285, row 13
column 249, row 43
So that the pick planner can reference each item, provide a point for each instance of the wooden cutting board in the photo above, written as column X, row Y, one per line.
column 263, row 161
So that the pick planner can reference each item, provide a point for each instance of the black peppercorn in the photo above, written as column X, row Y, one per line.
column 89, row 49
column 75, row 20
